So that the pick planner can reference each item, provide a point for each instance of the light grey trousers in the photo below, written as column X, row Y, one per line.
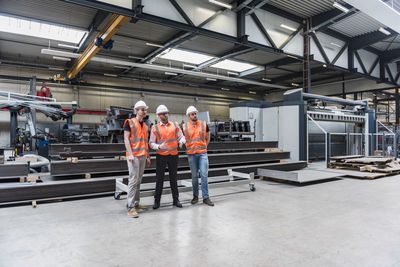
column 136, row 170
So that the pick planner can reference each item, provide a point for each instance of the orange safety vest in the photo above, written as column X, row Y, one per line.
column 139, row 138
column 169, row 135
column 196, row 141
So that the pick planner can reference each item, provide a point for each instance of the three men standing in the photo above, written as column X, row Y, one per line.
column 164, row 139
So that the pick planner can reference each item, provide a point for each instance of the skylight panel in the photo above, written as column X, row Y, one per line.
column 40, row 29
column 232, row 65
column 186, row 56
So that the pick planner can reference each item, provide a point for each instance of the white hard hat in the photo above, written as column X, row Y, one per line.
column 161, row 109
column 191, row 109
column 140, row 103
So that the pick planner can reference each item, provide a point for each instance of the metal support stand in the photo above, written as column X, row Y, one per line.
column 397, row 106
column 13, row 127
column 383, row 143
column 32, row 91
column 233, row 179
column 363, row 140
column 328, row 149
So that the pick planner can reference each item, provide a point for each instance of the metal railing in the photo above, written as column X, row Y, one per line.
column 366, row 142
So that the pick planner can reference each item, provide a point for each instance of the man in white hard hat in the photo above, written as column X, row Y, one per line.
column 197, row 135
column 136, row 136
column 164, row 139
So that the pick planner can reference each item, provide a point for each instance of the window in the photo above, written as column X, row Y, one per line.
column 186, row 56
column 40, row 29
column 232, row 65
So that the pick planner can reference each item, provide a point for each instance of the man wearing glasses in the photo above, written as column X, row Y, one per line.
column 164, row 139
column 137, row 152
column 197, row 137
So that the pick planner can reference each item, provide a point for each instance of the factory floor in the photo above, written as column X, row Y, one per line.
column 346, row 222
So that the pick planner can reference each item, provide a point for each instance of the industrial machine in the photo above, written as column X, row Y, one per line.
column 79, row 133
column 113, row 129
column 27, row 105
column 231, row 131
column 307, row 124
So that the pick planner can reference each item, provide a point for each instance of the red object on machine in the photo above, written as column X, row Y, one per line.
column 44, row 92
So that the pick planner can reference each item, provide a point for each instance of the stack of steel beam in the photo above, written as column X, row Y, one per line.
column 96, row 166
column 66, row 177
column 16, row 170
column 60, row 151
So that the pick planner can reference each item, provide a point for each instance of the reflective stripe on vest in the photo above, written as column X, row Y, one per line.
column 171, row 142
column 138, row 138
column 198, row 144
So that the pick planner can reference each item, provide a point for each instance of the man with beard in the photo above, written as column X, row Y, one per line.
column 197, row 136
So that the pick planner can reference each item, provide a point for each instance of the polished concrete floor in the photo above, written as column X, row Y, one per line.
column 346, row 222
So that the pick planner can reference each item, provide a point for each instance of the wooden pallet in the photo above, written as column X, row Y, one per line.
column 376, row 167
column 342, row 158
column 369, row 160
column 370, row 176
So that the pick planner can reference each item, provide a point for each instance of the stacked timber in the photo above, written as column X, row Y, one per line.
column 379, row 166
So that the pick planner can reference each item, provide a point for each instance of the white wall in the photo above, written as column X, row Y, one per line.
column 289, row 126
column 270, row 124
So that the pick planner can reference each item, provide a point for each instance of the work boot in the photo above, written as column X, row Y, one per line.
column 195, row 200
column 141, row 207
column 177, row 203
column 133, row 213
column 208, row 202
column 156, row 204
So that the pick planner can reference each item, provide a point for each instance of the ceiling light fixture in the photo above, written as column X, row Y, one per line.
column 340, row 7
column 335, row 44
column 324, row 66
column 154, row 44
column 292, row 56
column 288, row 27
column 265, row 79
column 233, row 73
column 211, row 79
column 384, row 31
column 225, row 89
column 121, row 67
column 220, row 4
column 170, row 73
column 61, row 58
column 252, row 92
column 110, row 75
column 135, row 57
column 189, row 66
column 69, row 46
column 53, row 68
column 295, row 84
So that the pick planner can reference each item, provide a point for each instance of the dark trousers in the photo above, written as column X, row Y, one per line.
column 161, row 162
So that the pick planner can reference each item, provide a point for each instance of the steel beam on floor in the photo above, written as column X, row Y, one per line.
column 93, row 150
column 95, row 166
column 24, row 193
column 14, row 170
